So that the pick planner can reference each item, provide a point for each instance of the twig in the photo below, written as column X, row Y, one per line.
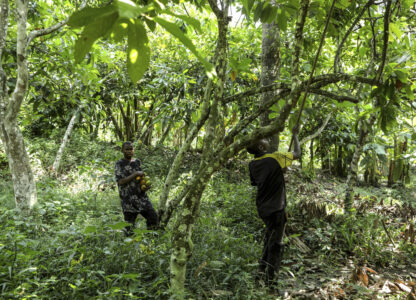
column 42, row 32
column 388, row 233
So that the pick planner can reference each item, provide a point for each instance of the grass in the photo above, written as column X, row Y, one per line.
column 72, row 246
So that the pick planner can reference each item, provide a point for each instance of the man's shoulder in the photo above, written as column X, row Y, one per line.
column 120, row 162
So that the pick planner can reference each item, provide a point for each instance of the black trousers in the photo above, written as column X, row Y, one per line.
column 148, row 212
column 273, row 245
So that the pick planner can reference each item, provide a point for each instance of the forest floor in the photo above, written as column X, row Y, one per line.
column 73, row 247
column 323, row 270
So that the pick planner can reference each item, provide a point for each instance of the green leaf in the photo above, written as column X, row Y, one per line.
column 177, row 32
column 191, row 21
column 258, row 11
column 362, row 52
column 401, row 74
column 409, row 92
column 273, row 15
column 138, row 51
column 89, row 14
column 99, row 28
column 396, row 30
column 119, row 30
column 130, row 276
column 151, row 24
column 265, row 13
column 344, row 104
column 129, row 10
column 90, row 229
column 342, row 4
column 119, row 225
column 282, row 19
column 379, row 149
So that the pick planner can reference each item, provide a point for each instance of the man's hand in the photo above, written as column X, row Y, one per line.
column 138, row 173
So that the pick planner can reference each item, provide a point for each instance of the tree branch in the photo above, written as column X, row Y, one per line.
column 4, row 22
column 385, row 39
column 339, row 98
column 299, row 37
column 53, row 28
column 259, row 90
column 318, row 132
column 316, row 83
column 21, row 57
column 373, row 41
column 336, row 60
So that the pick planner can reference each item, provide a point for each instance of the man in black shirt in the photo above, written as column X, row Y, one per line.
column 134, row 201
column 266, row 172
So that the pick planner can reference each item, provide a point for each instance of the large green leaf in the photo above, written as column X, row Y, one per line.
column 89, row 15
column 138, row 51
column 129, row 10
column 99, row 28
column 119, row 30
column 119, row 225
column 191, row 21
column 177, row 32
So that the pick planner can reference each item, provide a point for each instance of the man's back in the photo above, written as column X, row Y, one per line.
column 266, row 173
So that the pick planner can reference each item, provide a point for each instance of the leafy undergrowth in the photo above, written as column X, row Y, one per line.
column 72, row 245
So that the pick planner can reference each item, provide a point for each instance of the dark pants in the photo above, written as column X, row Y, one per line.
column 273, row 245
column 148, row 212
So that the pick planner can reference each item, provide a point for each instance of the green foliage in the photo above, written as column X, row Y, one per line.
column 72, row 245
column 112, row 21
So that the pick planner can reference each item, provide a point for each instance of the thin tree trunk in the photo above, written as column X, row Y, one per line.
column 352, row 176
column 57, row 162
column 97, row 127
column 117, row 129
column 165, row 134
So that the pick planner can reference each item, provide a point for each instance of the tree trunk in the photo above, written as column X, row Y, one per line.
column 97, row 127
column 182, row 245
column 270, row 71
column 19, row 163
column 365, row 128
column 181, row 236
column 57, row 162
column 165, row 134
column 117, row 129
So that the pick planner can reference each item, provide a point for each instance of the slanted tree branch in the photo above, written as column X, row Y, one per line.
column 385, row 39
column 21, row 56
column 53, row 28
column 373, row 40
column 341, row 45
column 318, row 132
column 304, row 6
